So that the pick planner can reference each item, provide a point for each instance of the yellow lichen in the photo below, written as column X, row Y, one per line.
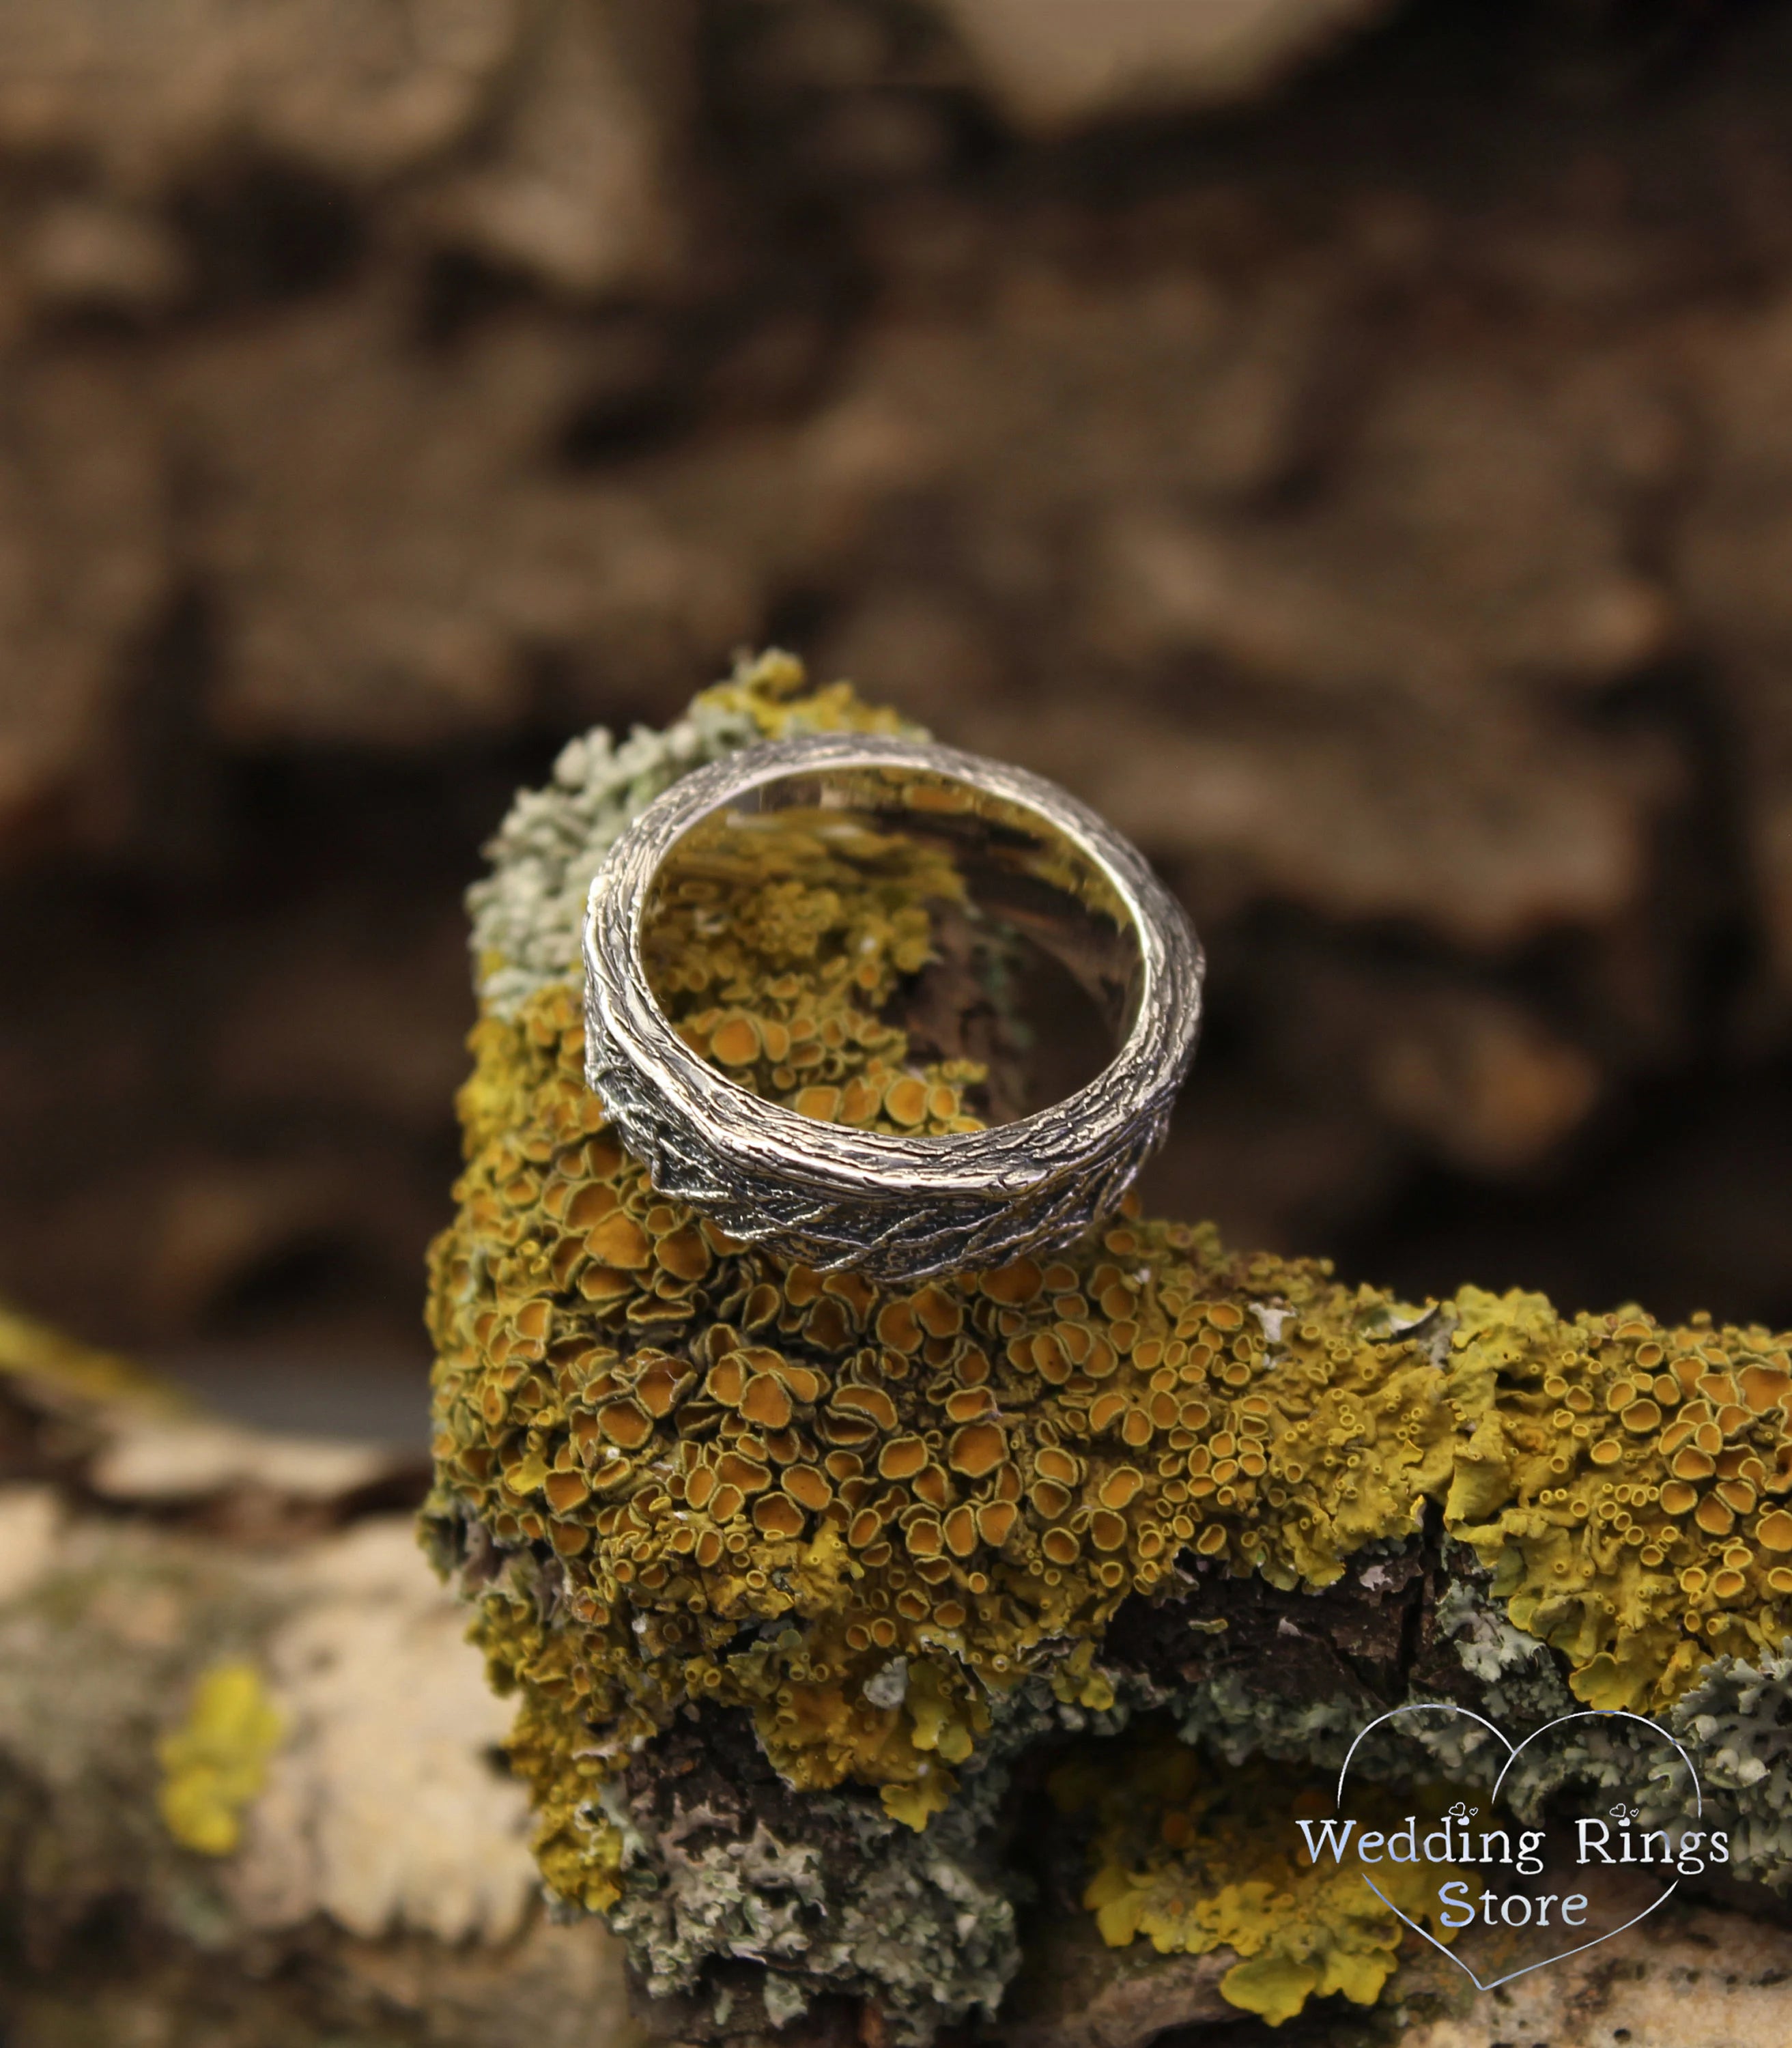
column 773, row 947
column 1624, row 1480
column 1196, row 1859
column 214, row 1764
column 712, row 1448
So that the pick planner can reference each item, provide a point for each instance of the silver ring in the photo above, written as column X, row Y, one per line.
column 896, row 1207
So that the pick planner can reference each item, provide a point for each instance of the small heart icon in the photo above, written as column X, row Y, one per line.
column 1582, row 1873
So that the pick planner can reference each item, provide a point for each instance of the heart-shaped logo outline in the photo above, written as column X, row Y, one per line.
column 1514, row 1751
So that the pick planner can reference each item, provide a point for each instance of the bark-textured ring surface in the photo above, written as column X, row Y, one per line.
column 893, row 1207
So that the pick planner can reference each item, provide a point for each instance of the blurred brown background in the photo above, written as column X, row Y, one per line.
column 1350, row 443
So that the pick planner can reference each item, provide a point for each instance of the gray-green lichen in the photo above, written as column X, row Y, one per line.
column 1235, row 1718
column 833, row 1895
column 1520, row 1683
column 1736, row 1722
column 528, row 913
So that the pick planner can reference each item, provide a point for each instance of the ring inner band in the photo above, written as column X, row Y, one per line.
column 892, row 947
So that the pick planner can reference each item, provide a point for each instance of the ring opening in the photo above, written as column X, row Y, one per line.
column 892, row 947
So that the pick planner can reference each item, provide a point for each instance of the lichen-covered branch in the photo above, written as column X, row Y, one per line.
column 790, row 1575
column 820, row 1606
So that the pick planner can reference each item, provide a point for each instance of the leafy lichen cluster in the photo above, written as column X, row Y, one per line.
column 1627, row 1484
column 679, row 1474
column 1196, row 1860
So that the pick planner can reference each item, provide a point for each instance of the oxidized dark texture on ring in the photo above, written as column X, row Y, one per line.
column 893, row 1207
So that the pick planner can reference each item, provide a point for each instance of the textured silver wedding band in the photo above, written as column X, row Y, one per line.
column 894, row 1207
